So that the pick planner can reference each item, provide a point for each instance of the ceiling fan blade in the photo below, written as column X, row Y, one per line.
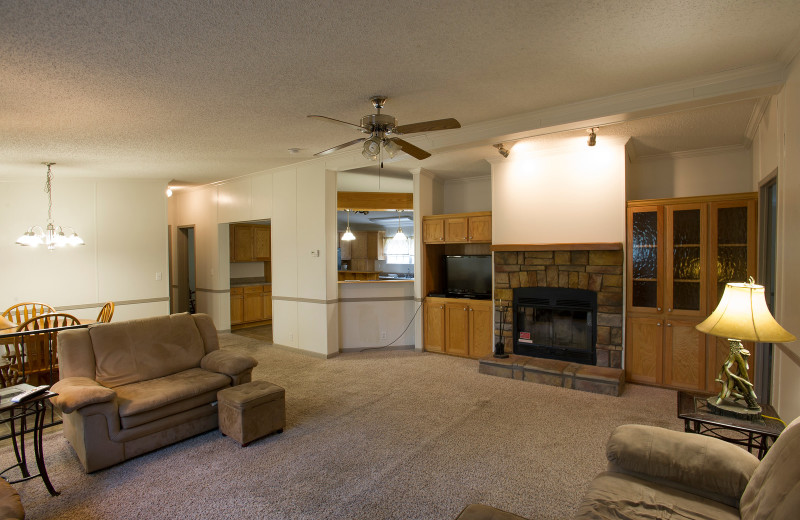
column 344, row 145
column 410, row 149
column 428, row 126
column 332, row 120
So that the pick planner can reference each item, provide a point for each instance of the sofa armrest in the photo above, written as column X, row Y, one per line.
column 228, row 363
column 695, row 463
column 78, row 392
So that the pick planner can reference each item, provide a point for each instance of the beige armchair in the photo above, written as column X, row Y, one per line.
column 131, row 387
column 658, row 473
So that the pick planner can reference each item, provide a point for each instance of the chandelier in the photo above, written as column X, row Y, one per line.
column 52, row 236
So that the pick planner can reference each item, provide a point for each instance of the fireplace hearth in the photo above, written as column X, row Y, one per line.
column 555, row 323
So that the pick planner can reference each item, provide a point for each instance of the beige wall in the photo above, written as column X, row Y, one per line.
column 573, row 195
column 124, row 225
column 776, row 147
column 688, row 175
column 466, row 195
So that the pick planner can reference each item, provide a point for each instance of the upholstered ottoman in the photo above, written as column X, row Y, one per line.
column 252, row 410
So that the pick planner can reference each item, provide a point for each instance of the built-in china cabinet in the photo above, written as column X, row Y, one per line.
column 681, row 253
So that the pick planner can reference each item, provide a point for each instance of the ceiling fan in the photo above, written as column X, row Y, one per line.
column 382, row 128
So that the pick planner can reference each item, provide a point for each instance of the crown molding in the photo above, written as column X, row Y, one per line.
column 788, row 54
column 701, row 152
column 756, row 116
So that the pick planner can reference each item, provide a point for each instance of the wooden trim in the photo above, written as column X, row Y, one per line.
column 593, row 246
column 691, row 200
column 374, row 201
column 459, row 215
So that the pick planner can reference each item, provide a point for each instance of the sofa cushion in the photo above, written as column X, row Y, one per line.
column 774, row 490
column 137, row 350
column 144, row 396
column 617, row 495
column 10, row 504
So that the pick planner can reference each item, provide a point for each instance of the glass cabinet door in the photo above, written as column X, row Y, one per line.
column 686, row 259
column 732, row 245
column 645, row 226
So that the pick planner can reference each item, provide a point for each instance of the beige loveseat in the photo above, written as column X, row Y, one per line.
column 658, row 473
column 130, row 387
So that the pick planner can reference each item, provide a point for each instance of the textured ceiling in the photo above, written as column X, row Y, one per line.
column 204, row 91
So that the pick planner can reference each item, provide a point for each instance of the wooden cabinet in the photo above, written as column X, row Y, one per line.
column 251, row 304
column 237, row 305
column 434, row 333
column 459, row 327
column 461, row 228
column 364, row 250
column 250, row 242
column 433, row 230
column 681, row 254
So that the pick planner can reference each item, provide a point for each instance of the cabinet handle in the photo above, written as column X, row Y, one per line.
column 659, row 323
column 669, row 310
column 658, row 308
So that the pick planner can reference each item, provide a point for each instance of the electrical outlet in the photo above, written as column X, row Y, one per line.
column 383, row 334
column 158, row 277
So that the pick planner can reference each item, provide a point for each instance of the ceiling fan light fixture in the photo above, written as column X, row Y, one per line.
column 391, row 148
column 372, row 148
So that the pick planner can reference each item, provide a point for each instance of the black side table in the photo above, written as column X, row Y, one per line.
column 36, row 407
column 698, row 418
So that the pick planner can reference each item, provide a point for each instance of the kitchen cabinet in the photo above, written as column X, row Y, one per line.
column 251, row 304
column 682, row 253
column 458, row 327
column 458, row 228
column 250, row 242
column 364, row 250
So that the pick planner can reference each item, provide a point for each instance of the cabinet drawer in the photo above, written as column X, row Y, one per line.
column 237, row 291
column 254, row 289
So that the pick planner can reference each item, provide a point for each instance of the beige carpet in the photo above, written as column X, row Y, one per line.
column 373, row 435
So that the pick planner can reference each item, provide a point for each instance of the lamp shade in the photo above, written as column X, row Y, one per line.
column 743, row 314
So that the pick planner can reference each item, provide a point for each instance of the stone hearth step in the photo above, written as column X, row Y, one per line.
column 598, row 380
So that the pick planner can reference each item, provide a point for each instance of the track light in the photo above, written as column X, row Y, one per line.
column 501, row 148
column 592, row 136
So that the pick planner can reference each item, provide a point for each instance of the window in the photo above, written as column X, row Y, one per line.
column 398, row 252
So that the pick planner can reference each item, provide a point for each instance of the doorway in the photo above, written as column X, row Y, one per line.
column 767, row 250
column 186, row 299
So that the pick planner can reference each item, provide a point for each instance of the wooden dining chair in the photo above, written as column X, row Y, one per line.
column 106, row 312
column 18, row 314
column 35, row 356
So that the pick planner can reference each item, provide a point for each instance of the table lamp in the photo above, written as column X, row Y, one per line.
column 742, row 315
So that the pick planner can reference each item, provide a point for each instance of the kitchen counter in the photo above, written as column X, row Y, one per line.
column 395, row 280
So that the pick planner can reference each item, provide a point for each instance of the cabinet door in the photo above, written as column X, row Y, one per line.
column 480, row 229
column 685, row 280
column 237, row 306
column 481, row 331
column 358, row 247
column 685, row 355
column 457, row 328
column 267, row 302
column 345, row 247
column 732, row 251
column 253, row 304
column 456, row 229
column 243, row 243
column 261, row 243
column 434, row 326
column 433, row 231
column 643, row 355
column 645, row 265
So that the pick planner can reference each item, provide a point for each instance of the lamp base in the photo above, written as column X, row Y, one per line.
column 731, row 408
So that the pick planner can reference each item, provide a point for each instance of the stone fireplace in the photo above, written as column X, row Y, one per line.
column 586, row 268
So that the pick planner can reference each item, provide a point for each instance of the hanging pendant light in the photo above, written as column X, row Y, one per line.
column 399, row 236
column 348, row 235
column 52, row 236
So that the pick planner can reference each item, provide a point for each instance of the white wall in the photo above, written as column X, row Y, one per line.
column 301, row 204
column 776, row 147
column 467, row 195
column 689, row 175
column 124, row 225
column 368, row 310
column 573, row 195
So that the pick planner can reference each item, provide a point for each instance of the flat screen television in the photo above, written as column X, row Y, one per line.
column 468, row 276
